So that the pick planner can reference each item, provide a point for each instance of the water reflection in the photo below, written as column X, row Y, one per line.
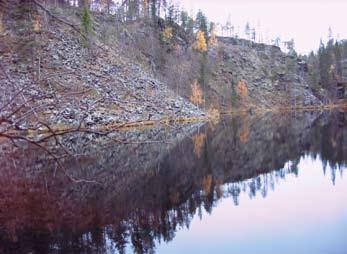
column 305, row 214
column 151, row 192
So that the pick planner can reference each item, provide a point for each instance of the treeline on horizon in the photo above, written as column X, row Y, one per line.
column 326, row 66
column 156, row 11
column 173, row 14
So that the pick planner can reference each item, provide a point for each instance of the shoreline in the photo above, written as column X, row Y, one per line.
column 106, row 129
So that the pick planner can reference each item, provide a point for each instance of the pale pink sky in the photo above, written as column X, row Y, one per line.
column 302, row 210
column 304, row 20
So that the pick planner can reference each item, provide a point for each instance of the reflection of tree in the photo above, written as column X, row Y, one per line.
column 234, row 190
column 141, row 207
column 198, row 140
column 207, row 184
column 244, row 132
column 294, row 166
column 142, row 239
column 119, row 234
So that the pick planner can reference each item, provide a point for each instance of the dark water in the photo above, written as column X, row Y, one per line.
column 248, row 184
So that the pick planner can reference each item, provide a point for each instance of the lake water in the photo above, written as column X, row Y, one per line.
column 272, row 183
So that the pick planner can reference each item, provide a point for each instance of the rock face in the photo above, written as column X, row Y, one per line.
column 273, row 78
column 344, row 70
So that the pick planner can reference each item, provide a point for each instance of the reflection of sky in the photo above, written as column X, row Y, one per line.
column 305, row 214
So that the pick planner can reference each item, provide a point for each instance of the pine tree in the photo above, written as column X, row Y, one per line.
column 313, row 71
column 201, row 23
column 184, row 20
column 190, row 26
column 170, row 17
column 324, row 64
column 277, row 41
column 247, row 31
column 291, row 47
column 154, row 9
column 253, row 34
column 330, row 34
column 338, row 58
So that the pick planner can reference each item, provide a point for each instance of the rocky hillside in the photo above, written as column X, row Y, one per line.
column 234, row 73
column 57, row 79
column 271, row 77
column 128, row 72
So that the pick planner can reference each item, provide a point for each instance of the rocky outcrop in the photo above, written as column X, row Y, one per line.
column 272, row 77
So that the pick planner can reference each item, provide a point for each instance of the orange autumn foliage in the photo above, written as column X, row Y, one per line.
column 207, row 184
column 219, row 188
column 196, row 96
column 167, row 34
column 37, row 24
column 244, row 133
column 242, row 89
column 198, row 141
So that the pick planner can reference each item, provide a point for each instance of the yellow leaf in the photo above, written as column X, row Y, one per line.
column 242, row 89
column 200, row 43
column 196, row 96
column 167, row 34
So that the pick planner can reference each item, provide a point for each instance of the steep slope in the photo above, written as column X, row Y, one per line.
column 63, row 82
column 271, row 77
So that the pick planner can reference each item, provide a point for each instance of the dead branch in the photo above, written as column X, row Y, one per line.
column 73, row 26
column 55, row 158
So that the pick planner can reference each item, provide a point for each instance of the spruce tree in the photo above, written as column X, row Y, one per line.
column 201, row 23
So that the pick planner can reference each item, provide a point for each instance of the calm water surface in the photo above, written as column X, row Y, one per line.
column 305, row 213
column 248, row 184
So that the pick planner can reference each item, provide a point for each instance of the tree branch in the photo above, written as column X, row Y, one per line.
column 73, row 26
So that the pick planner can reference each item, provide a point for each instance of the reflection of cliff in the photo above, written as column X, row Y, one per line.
column 149, row 190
